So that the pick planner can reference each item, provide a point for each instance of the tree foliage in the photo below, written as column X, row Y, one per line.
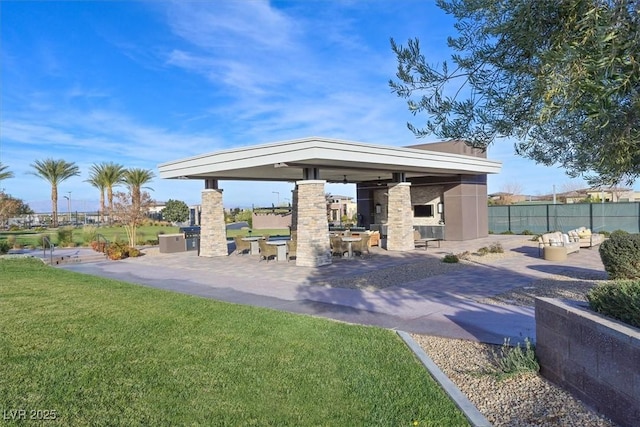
column 131, row 212
column 175, row 211
column 54, row 171
column 104, row 176
column 5, row 173
column 560, row 76
column 12, row 206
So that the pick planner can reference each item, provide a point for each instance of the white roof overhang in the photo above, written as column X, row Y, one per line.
column 335, row 159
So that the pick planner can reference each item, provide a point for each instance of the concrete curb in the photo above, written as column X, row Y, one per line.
column 468, row 409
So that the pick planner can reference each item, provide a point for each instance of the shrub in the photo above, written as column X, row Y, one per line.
column 120, row 250
column 89, row 233
column 619, row 300
column 496, row 248
column 99, row 246
column 14, row 227
column 483, row 251
column 65, row 236
column 511, row 360
column 116, row 250
column 620, row 255
column 526, row 232
column 450, row 258
column 618, row 233
column 4, row 247
column 11, row 241
column 133, row 252
column 507, row 232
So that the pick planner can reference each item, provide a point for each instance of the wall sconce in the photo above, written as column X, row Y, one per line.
column 440, row 207
column 378, row 208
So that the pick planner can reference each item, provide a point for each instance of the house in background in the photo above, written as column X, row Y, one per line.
column 339, row 207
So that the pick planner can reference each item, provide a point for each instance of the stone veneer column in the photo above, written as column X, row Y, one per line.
column 399, row 217
column 213, row 234
column 313, row 227
column 294, row 209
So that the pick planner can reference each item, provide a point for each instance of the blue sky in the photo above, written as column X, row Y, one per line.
column 142, row 83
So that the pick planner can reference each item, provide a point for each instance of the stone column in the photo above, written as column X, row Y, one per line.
column 399, row 217
column 294, row 209
column 213, row 232
column 313, row 227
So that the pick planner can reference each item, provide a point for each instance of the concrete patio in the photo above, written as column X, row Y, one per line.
column 443, row 305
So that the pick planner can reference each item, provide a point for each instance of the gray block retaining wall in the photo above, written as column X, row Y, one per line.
column 595, row 358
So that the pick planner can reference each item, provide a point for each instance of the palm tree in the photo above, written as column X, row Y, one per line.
column 96, row 179
column 54, row 171
column 112, row 174
column 4, row 172
column 135, row 179
column 105, row 176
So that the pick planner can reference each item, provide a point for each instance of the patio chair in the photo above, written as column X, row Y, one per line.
column 292, row 247
column 361, row 246
column 418, row 240
column 338, row 247
column 241, row 245
column 266, row 251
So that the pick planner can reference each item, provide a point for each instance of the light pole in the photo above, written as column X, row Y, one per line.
column 278, row 193
column 68, row 205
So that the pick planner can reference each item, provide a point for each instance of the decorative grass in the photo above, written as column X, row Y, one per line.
column 103, row 352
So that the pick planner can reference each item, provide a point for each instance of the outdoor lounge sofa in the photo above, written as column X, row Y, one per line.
column 586, row 238
column 557, row 238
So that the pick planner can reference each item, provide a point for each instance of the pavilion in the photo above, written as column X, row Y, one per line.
column 398, row 188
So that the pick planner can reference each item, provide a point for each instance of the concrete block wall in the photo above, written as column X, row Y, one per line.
column 312, row 225
column 595, row 358
column 213, row 232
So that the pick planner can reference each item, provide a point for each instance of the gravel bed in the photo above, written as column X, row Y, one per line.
column 393, row 276
column 559, row 287
column 397, row 275
column 524, row 399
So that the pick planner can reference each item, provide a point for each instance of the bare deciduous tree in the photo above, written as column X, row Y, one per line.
column 131, row 213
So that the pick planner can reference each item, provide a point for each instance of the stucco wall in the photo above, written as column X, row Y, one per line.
column 271, row 220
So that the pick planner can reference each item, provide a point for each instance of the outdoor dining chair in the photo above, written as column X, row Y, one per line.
column 267, row 251
column 241, row 245
column 292, row 247
column 338, row 247
column 361, row 246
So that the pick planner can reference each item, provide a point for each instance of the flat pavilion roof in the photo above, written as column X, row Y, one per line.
column 337, row 161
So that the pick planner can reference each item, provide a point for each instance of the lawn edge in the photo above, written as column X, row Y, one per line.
column 469, row 410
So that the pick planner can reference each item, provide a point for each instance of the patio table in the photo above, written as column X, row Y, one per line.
column 281, row 248
column 350, row 240
column 255, row 249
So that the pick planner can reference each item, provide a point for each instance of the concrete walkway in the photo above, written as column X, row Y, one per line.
column 442, row 305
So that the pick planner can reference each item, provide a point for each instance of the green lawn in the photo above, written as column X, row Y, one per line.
column 104, row 352
column 146, row 232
